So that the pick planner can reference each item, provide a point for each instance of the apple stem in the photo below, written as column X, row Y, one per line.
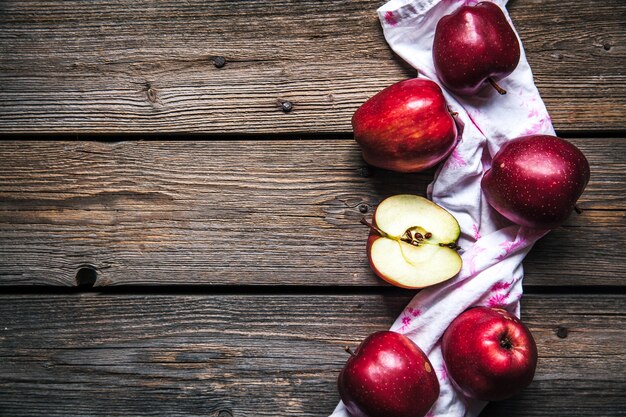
column 452, row 113
column 347, row 349
column 506, row 343
column 577, row 209
column 374, row 228
column 495, row 85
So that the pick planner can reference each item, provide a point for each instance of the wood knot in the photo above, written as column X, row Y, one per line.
column 152, row 93
column 561, row 332
column 86, row 276
column 225, row 413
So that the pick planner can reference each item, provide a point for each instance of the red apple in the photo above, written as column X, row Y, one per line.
column 388, row 376
column 406, row 127
column 489, row 353
column 473, row 47
column 534, row 181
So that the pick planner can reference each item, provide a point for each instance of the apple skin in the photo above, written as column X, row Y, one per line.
column 406, row 127
column 472, row 45
column 534, row 181
column 477, row 360
column 388, row 376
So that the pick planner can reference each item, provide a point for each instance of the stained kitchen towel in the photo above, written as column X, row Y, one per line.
column 493, row 247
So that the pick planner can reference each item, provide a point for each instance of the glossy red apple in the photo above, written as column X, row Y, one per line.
column 406, row 127
column 534, row 181
column 388, row 376
column 489, row 354
column 473, row 47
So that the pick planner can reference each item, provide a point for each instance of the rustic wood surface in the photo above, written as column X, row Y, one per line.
column 247, row 213
column 266, row 355
column 113, row 66
column 230, row 272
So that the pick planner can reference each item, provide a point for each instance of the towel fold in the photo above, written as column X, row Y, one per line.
column 493, row 247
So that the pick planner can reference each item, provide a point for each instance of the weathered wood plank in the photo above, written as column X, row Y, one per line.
column 246, row 212
column 115, row 66
column 265, row 355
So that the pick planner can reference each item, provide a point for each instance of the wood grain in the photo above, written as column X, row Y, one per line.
column 265, row 355
column 246, row 213
column 110, row 66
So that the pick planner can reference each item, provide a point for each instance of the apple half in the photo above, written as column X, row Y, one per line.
column 412, row 243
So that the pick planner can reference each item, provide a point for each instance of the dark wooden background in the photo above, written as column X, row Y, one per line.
column 222, row 274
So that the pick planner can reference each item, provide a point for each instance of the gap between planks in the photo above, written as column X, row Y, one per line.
column 273, row 290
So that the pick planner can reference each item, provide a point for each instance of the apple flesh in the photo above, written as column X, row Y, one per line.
column 473, row 47
column 412, row 243
column 535, row 181
column 406, row 127
column 388, row 376
column 489, row 354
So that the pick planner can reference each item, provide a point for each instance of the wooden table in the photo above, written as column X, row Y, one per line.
column 222, row 275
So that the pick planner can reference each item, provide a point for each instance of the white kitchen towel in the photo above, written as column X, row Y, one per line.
column 493, row 247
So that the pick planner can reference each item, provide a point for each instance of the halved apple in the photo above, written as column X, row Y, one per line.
column 412, row 243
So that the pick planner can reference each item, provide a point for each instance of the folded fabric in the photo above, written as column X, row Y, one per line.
column 493, row 247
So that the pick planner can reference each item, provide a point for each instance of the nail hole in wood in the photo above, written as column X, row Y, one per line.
column 365, row 172
column 219, row 61
column 363, row 208
column 607, row 46
column 561, row 332
column 286, row 106
column 86, row 276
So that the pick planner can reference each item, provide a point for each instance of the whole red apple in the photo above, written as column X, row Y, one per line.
column 388, row 376
column 489, row 353
column 473, row 47
column 534, row 181
column 406, row 127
